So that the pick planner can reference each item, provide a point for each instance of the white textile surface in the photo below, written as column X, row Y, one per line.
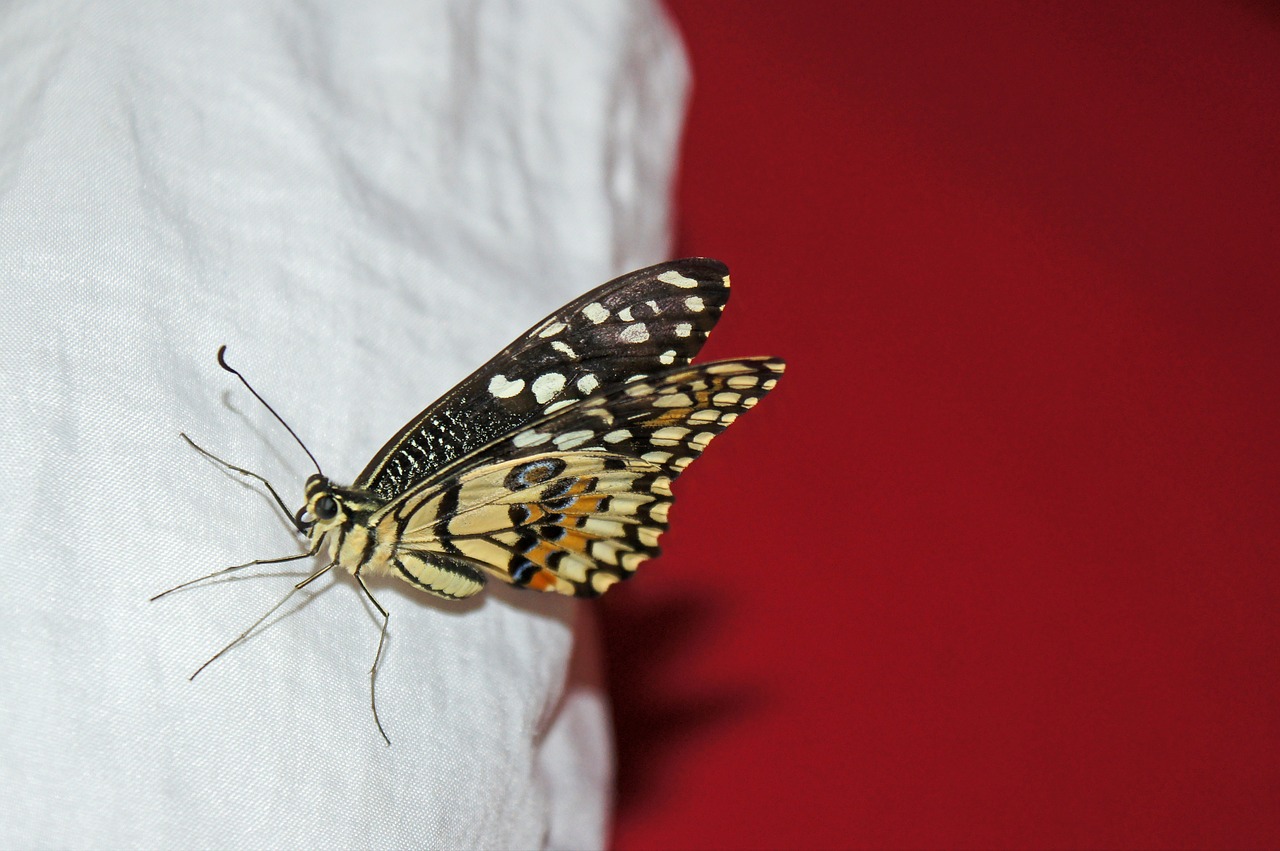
column 364, row 201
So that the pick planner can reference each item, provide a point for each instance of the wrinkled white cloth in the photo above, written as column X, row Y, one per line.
column 364, row 201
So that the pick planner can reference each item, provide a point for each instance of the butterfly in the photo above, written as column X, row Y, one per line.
column 550, row 467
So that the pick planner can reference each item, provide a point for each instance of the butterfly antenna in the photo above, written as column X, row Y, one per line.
column 222, row 362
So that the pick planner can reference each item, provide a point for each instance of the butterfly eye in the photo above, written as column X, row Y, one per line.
column 326, row 508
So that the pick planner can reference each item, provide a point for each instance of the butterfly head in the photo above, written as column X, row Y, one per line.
column 325, row 505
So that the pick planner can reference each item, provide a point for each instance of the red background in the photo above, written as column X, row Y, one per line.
column 996, row 563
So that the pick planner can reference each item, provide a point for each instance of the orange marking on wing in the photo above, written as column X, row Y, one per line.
column 579, row 487
column 669, row 416
column 540, row 553
column 543, row 580
column 585, row 505
column 574, row 542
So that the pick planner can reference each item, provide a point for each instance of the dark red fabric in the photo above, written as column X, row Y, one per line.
column 996, row 565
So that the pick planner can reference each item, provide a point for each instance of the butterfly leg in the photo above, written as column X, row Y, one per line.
column 373, row 672
column 242, row 636
column 280, row 560
column 293, row 521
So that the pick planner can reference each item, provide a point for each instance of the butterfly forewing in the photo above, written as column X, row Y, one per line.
column 577, row 499
column 632, row 326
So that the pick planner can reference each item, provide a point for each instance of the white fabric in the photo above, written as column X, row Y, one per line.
column 364, row 201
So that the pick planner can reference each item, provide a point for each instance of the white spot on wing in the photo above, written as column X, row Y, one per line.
column 504, row 388
column 564, row 349
column 669, row 436
column 587, row 383
column 637, row 333
column 617, row 436
column 683, row 329
column 667, row 357
column 595, row 312
column 625, row 315
column 600, row 581
column 605, row 551
column 570, row 439
column 552, row 329
column 573, row 568
column 675, row 279
column 695, row 304
column 602, row 527
column 630, row 561
column 673, row 400
column 545, row 387
column 529, row 437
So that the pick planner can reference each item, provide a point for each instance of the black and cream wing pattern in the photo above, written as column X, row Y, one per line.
column 633, row 325
column 550, row 467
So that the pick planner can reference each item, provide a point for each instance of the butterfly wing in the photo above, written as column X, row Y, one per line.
column 634, row 325
column 578, row 499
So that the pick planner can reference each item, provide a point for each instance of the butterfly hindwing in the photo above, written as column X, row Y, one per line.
column 550, row 522
column 634, row 325
column 578, row 499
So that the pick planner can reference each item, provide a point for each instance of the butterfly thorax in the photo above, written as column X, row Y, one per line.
column 368, row 537
column 339, row 523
